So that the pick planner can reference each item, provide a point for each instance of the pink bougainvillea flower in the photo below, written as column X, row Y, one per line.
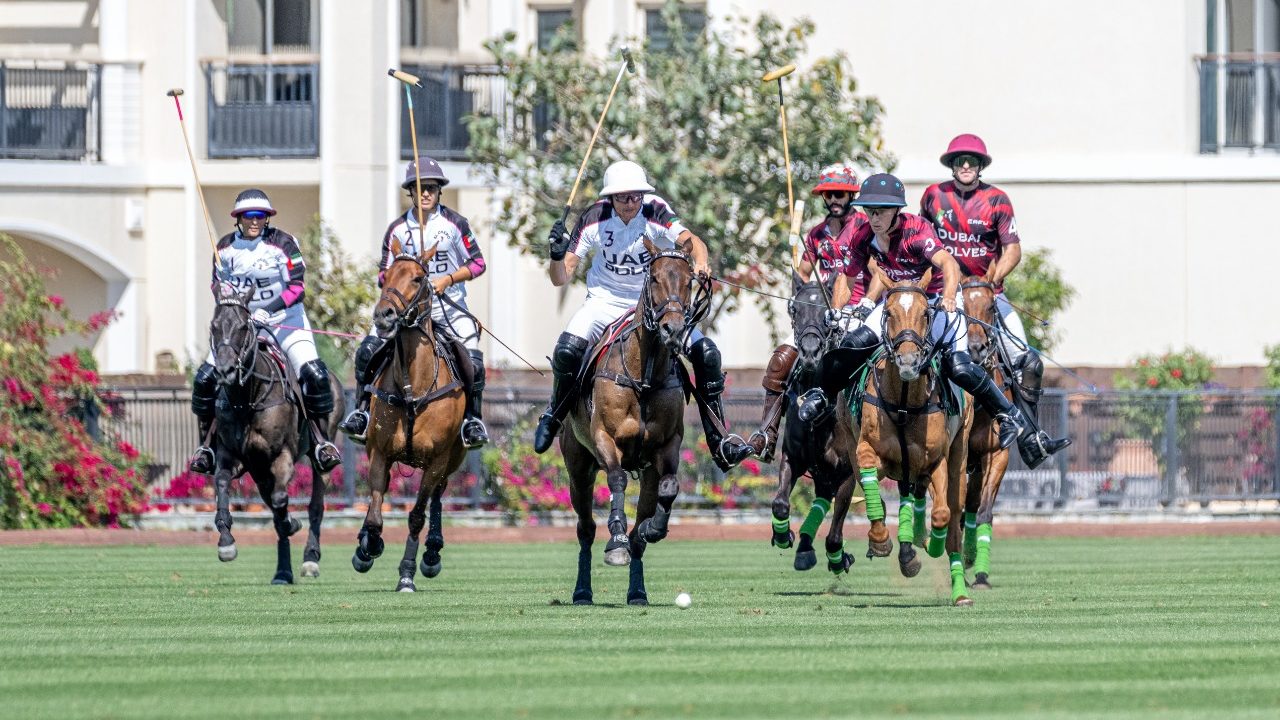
column 56, row 301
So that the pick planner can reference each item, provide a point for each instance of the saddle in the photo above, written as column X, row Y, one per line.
column 615, row 333
column 271, row 349
column 950, row 399
column 448, row 347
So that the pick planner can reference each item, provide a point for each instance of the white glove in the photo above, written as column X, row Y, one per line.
column 863, row 309
column 262, row 317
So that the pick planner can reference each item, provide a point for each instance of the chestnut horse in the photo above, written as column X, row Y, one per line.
column 906, row 435
column 987, row 460
column 261, row 430
column 415, row 416
column 632, row 421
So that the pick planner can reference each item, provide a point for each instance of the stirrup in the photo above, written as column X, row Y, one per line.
column 202, row 461
column 765, row 453
column 474, row 433
column 733, row 449
column 813, row 405
column 327, row 456
column 355, row 425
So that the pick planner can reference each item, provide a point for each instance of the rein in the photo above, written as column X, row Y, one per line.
column 246, row 367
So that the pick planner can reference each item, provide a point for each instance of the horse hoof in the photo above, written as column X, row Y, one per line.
column 430, row 571
column 361, row 566
column 782, row 541
column 310, row 569
column 406, row 585
column 963, row 601
column 282, row 578
column 618, row 557
column 806, row 560
column 875, row 549
column 841, row 567
column 294, row 526
column 582, row 598
column 228, row 553
column 909, row 564
column 638, row 600
column 981, row 582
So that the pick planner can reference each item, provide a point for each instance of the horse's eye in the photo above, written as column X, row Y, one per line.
column 418, row 280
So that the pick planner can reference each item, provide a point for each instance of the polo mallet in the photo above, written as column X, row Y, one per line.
column 412, row 80
column 628, row 66
column 208, row 221
column 796, row 213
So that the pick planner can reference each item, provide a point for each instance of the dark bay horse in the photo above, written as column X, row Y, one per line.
column 987, row 460
column 261, row 430
column 824, row 449
column 415, row 416
column 906, row 435
column 632, row 421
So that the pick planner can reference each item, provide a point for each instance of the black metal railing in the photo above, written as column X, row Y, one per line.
column 267, row 110
column 449, row 93
column 1239, row 102
column 1132, row 450
column 50, row 112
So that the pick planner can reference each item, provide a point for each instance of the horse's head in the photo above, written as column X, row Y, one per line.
column 406, row 292
column 808, row 310
column 666, row 301
column 233, row 336
column 907, row 317
column 980, row 305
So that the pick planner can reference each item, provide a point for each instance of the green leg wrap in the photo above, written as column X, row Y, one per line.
column 814, row 519
column 906, row 527
column 837, row 557
column 781, row 525
column 958, row 589
column 937, row 542
column 871, row 489
column 920, row 524
column 982, row 558
column 970, row 537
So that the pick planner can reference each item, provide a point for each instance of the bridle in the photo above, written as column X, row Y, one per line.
column 988, row 352
column 247, row 356
column 826, row 332
column 410, row 311
column 652, row 311
column 891, row 344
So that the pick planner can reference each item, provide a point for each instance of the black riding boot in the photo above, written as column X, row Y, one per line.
column 566, row 361
column 204, row 398
column 356, row 424
column 838, row 368
column 708, row 375
column 1030, row 377
column 474, row 433
column 317, row 401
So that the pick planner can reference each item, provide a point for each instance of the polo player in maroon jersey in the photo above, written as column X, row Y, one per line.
column 975, row 222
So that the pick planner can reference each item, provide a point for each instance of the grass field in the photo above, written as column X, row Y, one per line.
column 1185, row 627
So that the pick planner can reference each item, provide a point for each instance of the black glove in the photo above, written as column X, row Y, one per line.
column 558, row 240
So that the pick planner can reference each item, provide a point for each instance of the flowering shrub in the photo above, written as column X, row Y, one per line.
column 54, row 473
column 1187, row 370
column 1146, row 417
column 1271, row 375
column 1257, row 458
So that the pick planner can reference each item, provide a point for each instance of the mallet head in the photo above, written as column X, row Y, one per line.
column 626, row 57
column 781, row 72
column 175, row 92
column 404, row 77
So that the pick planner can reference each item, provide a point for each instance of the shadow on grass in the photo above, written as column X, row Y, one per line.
column 820, row 593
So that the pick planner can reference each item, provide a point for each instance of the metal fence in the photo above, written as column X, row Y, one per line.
column 1239, row 103
column 449, row 93
column 1132, row 450
column 263, row 110
column 50, row 111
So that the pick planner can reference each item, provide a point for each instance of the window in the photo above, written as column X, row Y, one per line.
column 429, row 24
column 549, row 23
column 1240, row 77
column 267, row 27
column 694, row 20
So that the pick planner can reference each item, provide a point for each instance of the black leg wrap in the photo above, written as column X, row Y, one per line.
column 636, row 594
column 410, row 558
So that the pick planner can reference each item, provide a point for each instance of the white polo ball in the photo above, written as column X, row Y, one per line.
column 683, row 600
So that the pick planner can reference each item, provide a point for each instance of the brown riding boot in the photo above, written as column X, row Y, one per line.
column 765, row 440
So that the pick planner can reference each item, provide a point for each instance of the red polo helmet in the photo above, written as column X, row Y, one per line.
column 966, row 144
column 837, row 177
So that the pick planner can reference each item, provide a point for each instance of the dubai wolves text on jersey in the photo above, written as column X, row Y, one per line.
column 908, row 257
column 974, row 226
column 830, row 254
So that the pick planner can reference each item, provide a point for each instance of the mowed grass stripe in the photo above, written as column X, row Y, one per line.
column 1167, row 627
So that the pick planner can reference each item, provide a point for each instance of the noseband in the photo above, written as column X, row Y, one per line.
column 247, row 356
column 928, row 350
column 825, row 332
column 652, row 312
column 987, row 352
column 410, row 310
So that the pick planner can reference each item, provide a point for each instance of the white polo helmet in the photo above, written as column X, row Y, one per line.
column 624, row 176
column 252, row 199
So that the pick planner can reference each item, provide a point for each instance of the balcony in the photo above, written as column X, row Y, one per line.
column 1239, row 102
column 50, row 111
column 449, row 93
column 263, row 110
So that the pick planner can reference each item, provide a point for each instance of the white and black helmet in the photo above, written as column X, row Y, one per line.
column 252, row 199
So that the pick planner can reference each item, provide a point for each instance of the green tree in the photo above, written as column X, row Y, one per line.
column 1272, row 372
column 698, row 118
column 1037, row 286
column 340, row 296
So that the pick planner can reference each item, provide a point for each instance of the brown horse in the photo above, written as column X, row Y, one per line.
column 632, row 421
column 987, row 460
column 415, row 416
column 906, row 435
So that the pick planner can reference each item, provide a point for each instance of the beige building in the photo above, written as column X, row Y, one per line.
column 1143, row 164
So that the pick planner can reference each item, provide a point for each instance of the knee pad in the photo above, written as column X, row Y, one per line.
column 317, row 396
column 861, row 338
column 779, row 368
column 369, row 347
column 204, row 391
column 566, row 359
column 1032, row 368
column 705, row 357
column 963, row 371
column 477, row 365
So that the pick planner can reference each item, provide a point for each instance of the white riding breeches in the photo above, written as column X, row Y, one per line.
column 1015, row 346
column 948, row 328
column 459, row 322
column 296, row 339
column 596, row 314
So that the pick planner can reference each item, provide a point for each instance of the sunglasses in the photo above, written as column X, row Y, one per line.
column 628, row 197
column 431, row 189
column 835, row 194
column 253, row 215
column 970, row 160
